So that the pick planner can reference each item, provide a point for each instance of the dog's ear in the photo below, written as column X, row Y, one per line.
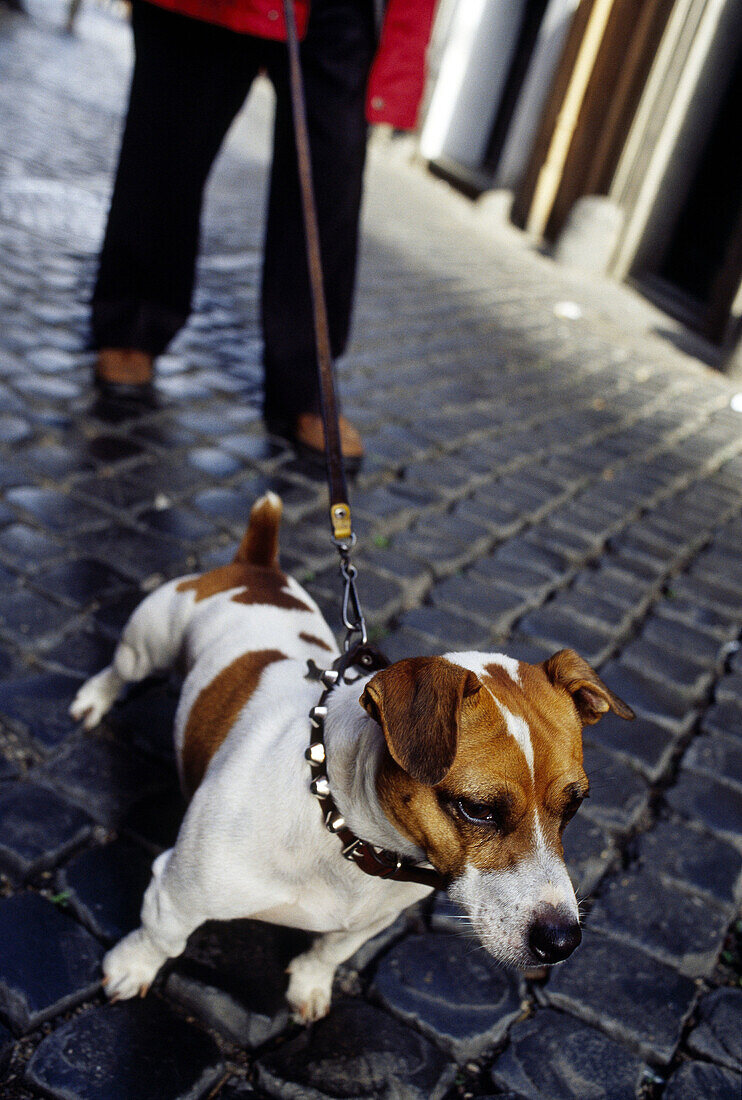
column 417, row 703
column 566, row 669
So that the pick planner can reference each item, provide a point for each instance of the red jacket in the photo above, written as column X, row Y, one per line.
column 398, row 75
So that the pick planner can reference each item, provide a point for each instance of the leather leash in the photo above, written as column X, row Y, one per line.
column 340, row 515
column 339, row 507
column 372, row 860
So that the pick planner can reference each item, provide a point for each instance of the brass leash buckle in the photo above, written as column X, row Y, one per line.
column 342, row 528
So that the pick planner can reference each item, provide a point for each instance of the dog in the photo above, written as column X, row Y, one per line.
column 470, row 762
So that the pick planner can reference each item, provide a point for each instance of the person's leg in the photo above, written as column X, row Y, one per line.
column 190, row 79
column 336, row 58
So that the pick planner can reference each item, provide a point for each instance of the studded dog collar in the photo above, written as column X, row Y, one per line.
column 378, row 862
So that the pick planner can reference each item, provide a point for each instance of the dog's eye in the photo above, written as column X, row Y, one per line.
column 571, row 809
column 478, row 813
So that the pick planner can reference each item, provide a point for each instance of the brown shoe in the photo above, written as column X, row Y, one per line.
column 309, row 435
column 124, row 367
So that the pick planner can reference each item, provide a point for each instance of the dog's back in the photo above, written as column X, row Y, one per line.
column 223, row 629
column 245, row 616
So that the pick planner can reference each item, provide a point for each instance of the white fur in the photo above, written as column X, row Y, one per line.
column 518, row 729
column 502, row 904
column 478, row 662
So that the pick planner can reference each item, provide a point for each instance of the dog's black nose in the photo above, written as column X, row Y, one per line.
column 554, row 936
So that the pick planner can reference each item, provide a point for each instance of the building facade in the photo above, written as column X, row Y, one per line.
column 615, row 124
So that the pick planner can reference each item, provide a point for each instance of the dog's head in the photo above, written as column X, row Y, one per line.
column 483, row 772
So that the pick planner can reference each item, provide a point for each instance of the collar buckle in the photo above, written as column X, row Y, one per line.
column 350, row 850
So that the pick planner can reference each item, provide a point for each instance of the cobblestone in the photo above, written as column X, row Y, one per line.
column 6, row 1046
column 356, row 1051
column 626, row 993
column 566, row 631
column 693, row 858
column 530, row 482
column 724, row 718
column 37, row 829
column 137, row 1049
column 449, row 991
column 696, row 1079
column 104, row 886
column 103, row 777
column 552, row 1056
column 671, row 635
column 528, row 582
column 718, row 805
column 27, row 618
column 729, row 688
column 448, row 630
column 649, row 697
column 718, row 1034
column 589, row 851
column 682, row 673
column 233, row 977
column 39, row 705
column 494, row 606
column 618, row 793
column 599, row 612
column 646, row 745
column 717, row 756
column 611, row 585
column 49, row 963
column 681, row 929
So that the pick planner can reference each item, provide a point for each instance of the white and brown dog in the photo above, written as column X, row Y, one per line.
column 472, row 762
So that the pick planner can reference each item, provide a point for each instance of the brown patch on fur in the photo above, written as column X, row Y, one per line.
column 268, row 586
column 255, row 568
column 259, row 584
column 417, row 703
column 215, row 710
column 312, row 639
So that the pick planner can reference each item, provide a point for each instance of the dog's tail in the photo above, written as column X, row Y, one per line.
column 259, row 544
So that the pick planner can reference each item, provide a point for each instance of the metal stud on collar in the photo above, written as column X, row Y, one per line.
column 317, row 716
column 320, row 787
column 334, row 821
column 316, row 754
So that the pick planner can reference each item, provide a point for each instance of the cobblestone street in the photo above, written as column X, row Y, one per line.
column 546, row 467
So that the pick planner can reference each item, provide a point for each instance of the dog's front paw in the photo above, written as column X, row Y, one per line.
column 310, row 988
column 95, row 698
column 130, row 967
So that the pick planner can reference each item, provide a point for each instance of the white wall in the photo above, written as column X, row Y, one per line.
column 474, row 66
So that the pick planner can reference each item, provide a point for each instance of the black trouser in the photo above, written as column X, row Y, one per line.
column 190, row 80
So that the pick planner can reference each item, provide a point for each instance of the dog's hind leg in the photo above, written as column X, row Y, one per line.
column 168, row 918
column 150, row 642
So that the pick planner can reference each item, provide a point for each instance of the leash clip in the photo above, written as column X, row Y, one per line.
column 353, row 619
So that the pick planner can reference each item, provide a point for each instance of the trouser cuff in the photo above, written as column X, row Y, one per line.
column 144, row 326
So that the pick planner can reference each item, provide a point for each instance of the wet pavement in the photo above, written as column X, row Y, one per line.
column 545, row 467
